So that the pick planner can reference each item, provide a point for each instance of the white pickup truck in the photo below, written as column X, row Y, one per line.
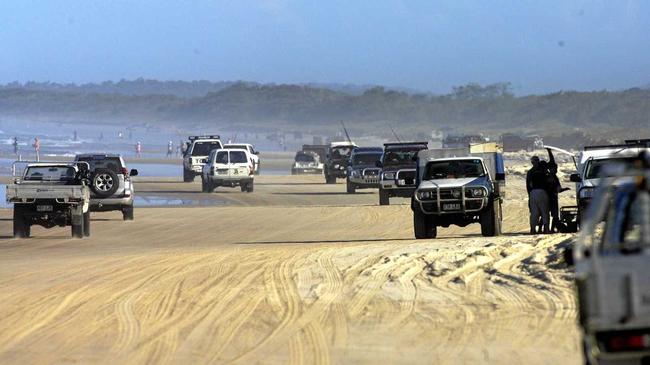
column 611, row 259
column 49, row 195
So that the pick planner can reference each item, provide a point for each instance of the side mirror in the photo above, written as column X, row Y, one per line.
column 568, row 256
column 500, row 176
column 379, row 164
column 133, row 172
column 575, row 178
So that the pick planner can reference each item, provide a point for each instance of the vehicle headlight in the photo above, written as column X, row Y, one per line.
column 354, row 173
column 477, row 192
column 587, row 192
column 455, row 194
column 425, row 194
column 389, row 175
column 336, row 166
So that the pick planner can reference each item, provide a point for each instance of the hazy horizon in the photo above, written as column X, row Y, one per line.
column 421, row 45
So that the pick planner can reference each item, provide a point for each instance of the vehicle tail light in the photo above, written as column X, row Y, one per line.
column 627, row 342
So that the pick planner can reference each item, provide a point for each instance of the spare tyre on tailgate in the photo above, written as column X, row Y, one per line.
column 104, row 183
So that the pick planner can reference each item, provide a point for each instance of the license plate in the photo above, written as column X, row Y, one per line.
column 44, row 208
column 453, row 206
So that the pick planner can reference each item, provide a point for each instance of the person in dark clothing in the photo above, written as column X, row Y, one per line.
column 535, row 162
column 554, row 189
column 538, row 200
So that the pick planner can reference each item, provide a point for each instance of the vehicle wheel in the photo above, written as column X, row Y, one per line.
column 424, row 226
column 491, row 220
column 250, row 187
column 87, row 224
column 78, row 229
column 351, row 188
column 127, row 213
column 188, row 176
column 384, row 198
column 244, row 187
column 21, row 227
column 104, row 183
column 330, row 179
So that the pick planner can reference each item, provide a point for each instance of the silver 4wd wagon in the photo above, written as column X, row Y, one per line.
column 111, row 187
column 49, row 195
column 611, row 258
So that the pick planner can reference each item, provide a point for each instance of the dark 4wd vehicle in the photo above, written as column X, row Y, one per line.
column 398, row 177
column 111, row 187
column 363, row 172
column 336, row 164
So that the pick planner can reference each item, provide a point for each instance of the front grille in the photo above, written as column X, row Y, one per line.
column 371, row 172
column 449, row 194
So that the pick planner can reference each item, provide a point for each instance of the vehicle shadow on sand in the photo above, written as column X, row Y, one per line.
column 325, row 193
column 322, row 241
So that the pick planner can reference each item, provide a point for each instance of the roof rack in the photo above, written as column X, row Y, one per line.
column 405, row 143
column 629, row 143
column 209, row 136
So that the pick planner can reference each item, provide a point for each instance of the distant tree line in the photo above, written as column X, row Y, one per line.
column 490, row 109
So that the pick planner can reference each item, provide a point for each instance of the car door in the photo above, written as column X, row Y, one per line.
column 240, row 163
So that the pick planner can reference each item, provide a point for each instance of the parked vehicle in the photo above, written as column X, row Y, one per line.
column 459, row 187
column 463, row 140
column 398, row 170
column 611, row 259
column 591, row 167
column 363, row 172
column 336, row 164
column 111, row 187
column 255, row 155
column 196, row 154
column 50, row 194
column 228, row 167
column 307, row 162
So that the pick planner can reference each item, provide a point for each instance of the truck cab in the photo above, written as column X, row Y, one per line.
column 592, row 168
column 455, row 186
column 196, row 154
column 398, row 170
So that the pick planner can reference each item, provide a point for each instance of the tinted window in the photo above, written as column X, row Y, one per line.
column 222, row 157
column 50, row 173
column 204, row 148
column 366, row 158
column 111, row 163
column 303, row 157
column 238, row 157
column 402, row 156
column 454, row 169
column 596, row 168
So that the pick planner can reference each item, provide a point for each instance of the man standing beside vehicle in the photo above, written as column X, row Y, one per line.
column 538, row 201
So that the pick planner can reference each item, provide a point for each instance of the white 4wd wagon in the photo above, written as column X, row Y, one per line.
column 196, row 154
column 251, row 151
column 228, row 167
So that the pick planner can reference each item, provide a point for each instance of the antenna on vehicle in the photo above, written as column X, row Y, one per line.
column 394, row 134
column 346, row 132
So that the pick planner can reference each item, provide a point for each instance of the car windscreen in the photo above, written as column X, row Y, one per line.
column 366, row 158
column 204, row 148
column 595, row 169
column 238, row 157
column 341, row 152
column 402, row 156
column 304, row 157
column 50, row 173
column 455, row 169
column 111, row 163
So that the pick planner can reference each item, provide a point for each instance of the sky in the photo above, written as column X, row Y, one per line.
column 429, row 45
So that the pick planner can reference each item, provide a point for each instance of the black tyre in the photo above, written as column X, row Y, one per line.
column 78, row 229
column 87, row 224
column 204, row 186
column 188, row 176
column 127, row 213
column 21, row 225
column 244, row 187
column 104, row 183
column 250, row 187
column 351, row 188
column 384, row 197
column 491, row 220
column 424, row 226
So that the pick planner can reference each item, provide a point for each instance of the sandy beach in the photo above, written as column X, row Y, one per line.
column 296, row 272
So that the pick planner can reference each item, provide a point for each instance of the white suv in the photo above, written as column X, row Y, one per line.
column 196, row 154
column 228, row 167
column 251, row 150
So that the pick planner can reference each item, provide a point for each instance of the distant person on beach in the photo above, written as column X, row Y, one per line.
column 138, row 149
column 37, row 148
column 15, row 145
column 170, row 149
column 119, row 135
